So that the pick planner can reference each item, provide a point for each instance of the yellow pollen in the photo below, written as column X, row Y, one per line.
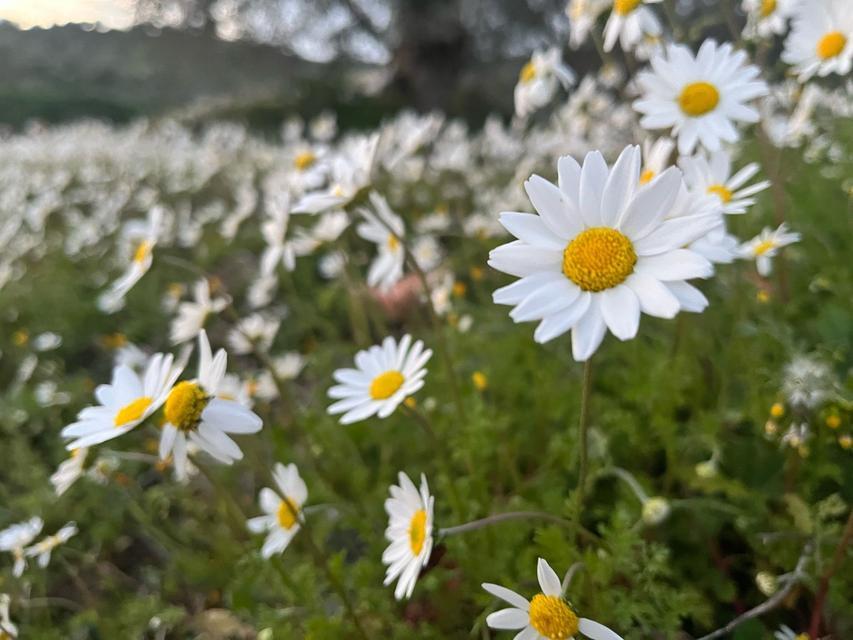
column 185, row 404
column 304, row 160
column 287, row 513
column 21, row 337
column 831, row 45
column 833, row 421
column 647, row 176
column 143, row 250
column 528, row 72
column 764, row 247
column 552, row 617
column 624, row 7
column 698, row 98
column 777, row 410
column 599, row 258
column 417, row 531
column 133, row 411
column 386, row 384
column 721, row 191
column 393, row 243
column 481, row 382
column 767, row 7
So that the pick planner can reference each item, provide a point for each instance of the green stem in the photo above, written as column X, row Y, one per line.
column 583, row 428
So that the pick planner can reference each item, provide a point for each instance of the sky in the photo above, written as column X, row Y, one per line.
column 113, row 14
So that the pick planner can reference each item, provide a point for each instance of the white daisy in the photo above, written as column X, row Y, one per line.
column 278, row 251
column 386, row 375
column 629, row 22
column 45, row 547
column 8, row 629
column 821, row 39
column 548, row 616
column 124, row 403
column 194, row 413
column 704, row 175
column 16, row 538
column 143, row 237
column 657, row 156
column 768, row 17
column 699, row 97
column 387, row 268
column 766, row 245
column 253, row 332
column 600, row 252
column 192, row 315
column 69, row 471
column 539, row 79
column 283, row 509
column 410, row 523
column 583, row 15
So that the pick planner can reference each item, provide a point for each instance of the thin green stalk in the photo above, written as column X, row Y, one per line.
column 583, row 428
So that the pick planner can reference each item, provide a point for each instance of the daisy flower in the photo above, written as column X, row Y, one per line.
column 194, row 413
column 548, row 616
column 69, row 471
column 629, row 22
column 768, row 17
column 143, row 237
column 45, row 547
column 15, row 539
column 600, row 252
column 821, row 39
column 539, row 79
column 192, row 315
column 582, row 16
column 699, row 97
column 766, row 245
column 8, row 629
column 124, row 403
column 713, row 175
column 254, row 331
column 410, row 523
column 656, row 157
column 385, row 229
column 283, row 509
column 279, row 251
column 385, row 376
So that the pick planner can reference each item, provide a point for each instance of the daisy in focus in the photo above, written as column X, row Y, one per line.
column 713, row 175
column 821, row 39
column 539, row 79
column 124, row 403
column 15, row 540
column 195, row 414
column 283, row 510
column 629, row 22
column 69, row 471
column 700, row 97
column 548, row 616
column 192, row 315
column 385, row 229
column 768, row 17
column 43, row 549
column 385, row 376
column 600, row 252
column 410, row 513
column 764, row 247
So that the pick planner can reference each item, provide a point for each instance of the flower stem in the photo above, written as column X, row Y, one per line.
column 488, row 521
column 583, row 427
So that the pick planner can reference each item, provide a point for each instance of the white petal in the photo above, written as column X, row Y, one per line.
column 621, row 311
column 507, row 595
column 508, row 619
column 588, row 333
column 593, row 178
column 596, row 631
column 548, row 580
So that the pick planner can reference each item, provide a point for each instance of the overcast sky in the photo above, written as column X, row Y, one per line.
column 113, row 14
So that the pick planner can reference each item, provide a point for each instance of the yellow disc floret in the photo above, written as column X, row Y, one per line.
column 624, row 7
column 767, row 7
column 143, row 250
column 304, row 160
column 722, row 192
column 528, row 72
column 552, row 617
column 417, row 531
column 698, row 98
column 287, row 514
column 185, row 404
column 132, row 411
column 386, row 384
column 647, row 176
column 831, row 45
column 599, row 258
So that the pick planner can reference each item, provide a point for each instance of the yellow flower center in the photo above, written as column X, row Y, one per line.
column 386, row 384
column 287, row 514
column 624, row 7
column 764, row 247
column 417, row 531
column 831, row 45
column 647, row 176
column 143, row 250
column 185, row 404
column 528, row 72
column 698, row 98
column 721, row 192
column 777, row 410
column 21, row 337
column 393, row 243
column 599, row 258
column 767, row 7
column 133, row 411
column 552, row 617
column 304, row 160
